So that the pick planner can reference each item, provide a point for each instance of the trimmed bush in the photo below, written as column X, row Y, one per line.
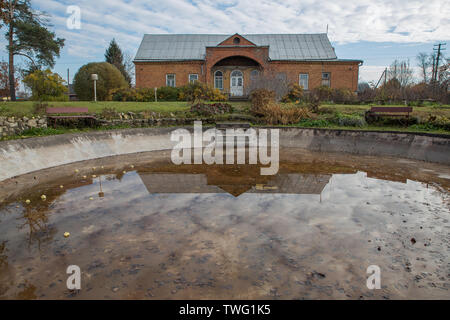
column 168, row 93
column 109, row 78
column 132, row 94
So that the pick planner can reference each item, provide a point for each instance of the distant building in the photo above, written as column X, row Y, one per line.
column 72, row 95
column 231, row 63
column 291, row 183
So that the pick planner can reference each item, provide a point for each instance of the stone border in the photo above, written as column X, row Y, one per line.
column 27, row 155
column 10, row 126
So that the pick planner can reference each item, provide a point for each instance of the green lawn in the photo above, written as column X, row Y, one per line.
column 441, row 110
column 26, row 107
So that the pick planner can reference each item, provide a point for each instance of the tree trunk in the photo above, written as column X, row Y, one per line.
column 12, row 80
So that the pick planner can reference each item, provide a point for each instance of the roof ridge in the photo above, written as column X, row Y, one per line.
column 230, row 34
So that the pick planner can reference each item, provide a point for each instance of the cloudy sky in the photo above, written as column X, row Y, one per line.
column 376, row 31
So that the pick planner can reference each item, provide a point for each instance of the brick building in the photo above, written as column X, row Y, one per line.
column 234, row 63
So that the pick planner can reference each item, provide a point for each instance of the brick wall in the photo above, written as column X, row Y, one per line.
column 344, row 74
column 150, row 75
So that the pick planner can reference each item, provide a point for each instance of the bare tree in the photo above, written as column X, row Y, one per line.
column 402, row 72
column 444, row 72
column 423, row 62
column 129, row 67
column 276, row 82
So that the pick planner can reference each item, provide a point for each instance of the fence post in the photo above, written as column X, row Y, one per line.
column 156, row 96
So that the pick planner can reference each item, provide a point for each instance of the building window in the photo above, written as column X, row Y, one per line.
column 193, row 78
column 236, row 40
column 326, row 79
column 170, row 80
column 254, row 75
column 303, row 80
column 281, row 76
column 218, row 80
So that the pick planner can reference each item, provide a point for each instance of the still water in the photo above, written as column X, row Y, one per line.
column 142, row 228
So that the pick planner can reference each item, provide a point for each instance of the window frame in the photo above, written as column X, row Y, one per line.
column 189, row 77
column 300, row 80
column 216, row 77
column 174, row 80
column 254, row 74
column 326, row 82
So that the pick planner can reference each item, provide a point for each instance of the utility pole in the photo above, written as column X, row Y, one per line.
column 436, row 68
column 384, row 74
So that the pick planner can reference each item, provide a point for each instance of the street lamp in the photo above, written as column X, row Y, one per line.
column 95, row 78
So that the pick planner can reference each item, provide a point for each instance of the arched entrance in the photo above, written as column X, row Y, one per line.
column 237, row 83
column 232, row 75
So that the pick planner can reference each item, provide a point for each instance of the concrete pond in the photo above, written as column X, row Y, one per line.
column 140, row 227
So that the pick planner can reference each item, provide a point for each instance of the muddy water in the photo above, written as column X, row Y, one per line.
column 142, row 228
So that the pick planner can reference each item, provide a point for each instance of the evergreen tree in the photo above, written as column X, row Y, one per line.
column 114, row 56
column 28, row 36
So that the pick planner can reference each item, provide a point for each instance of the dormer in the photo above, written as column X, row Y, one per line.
column 236, row 40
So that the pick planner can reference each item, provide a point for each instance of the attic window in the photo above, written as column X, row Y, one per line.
column 236, row 40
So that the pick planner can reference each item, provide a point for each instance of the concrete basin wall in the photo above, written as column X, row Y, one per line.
column 23, row 156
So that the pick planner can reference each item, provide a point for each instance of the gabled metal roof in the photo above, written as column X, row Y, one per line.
column 163, row 47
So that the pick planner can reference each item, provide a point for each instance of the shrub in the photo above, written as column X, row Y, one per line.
column 109, row 113
column 46, row 86
column 314, row 104
column 205, row 109
column 198, row 91
column 132, row 94
column 295, row 93
column 343, row 96
column 314, row 123
column 437, row 121
column 109, row 78
column 168, row 93
column 349, row 120
column 260, row 98
column 323, row 93
column 40, row 107
column 275, row 113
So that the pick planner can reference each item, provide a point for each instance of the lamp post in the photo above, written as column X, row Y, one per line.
column 95, row 78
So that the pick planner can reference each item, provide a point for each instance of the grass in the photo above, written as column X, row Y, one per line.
column 441, row 110
column 416, row 128
column 25, row 108
column 41, row 132
column 181, row 109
